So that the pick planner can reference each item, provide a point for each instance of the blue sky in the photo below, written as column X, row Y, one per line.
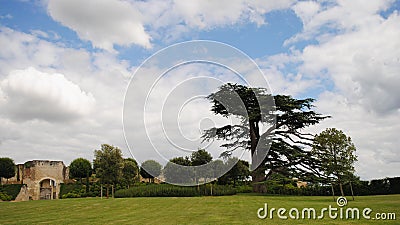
column 65, row 66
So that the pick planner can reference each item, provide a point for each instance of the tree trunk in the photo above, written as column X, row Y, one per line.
column 341, row 186
column 107, row 191
column 258, row 175
column 333, row 192
column 87, row 185
column 351, row 189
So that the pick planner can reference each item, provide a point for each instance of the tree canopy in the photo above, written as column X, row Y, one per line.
column 336, row 152
column 130, row 171
column 7, row 168
column 239, row 172
column 200, row 157
column 284, row 122
column 108, row 164
column 178, row 170
column 80, row 168
column 150, row 169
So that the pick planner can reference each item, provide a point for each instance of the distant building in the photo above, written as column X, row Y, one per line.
column 42, row 179
column 300, row 183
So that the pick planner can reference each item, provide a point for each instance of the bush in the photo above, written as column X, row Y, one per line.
column 244, row 189
column 5, row 197
column 71, row 190
column 71, row 195
column 11, row 190
column 167, row 190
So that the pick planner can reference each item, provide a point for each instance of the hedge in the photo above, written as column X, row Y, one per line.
column 9, row 192
column 167, row 190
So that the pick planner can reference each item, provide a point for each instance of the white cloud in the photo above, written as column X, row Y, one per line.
column 209, row 14
column 108, row 22
column 353, row 47
column 60, row 93
column 327, row 18
column 375, row 137
column 103, row 22
column 31, row 94
column 363, row 64
column 356, row 55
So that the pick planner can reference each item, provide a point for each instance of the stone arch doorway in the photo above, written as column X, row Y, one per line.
column 47, row 189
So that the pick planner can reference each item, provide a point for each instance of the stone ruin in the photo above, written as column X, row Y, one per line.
column 41, row 179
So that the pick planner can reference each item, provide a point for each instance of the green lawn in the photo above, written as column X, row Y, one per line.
column 238, row 209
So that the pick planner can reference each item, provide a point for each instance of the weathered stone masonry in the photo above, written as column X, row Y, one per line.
column 42, row 179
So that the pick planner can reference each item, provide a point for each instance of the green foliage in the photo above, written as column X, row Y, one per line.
column 11, row 190
column 80, row 168
column 7, row 168
column 336, row 153
column 244, row 189
column 108, row 164
column 178, row 170
column 150, row 169
column 130, row 171
column 200, row 157
column 238, row 173
column 167, row 190
column 286, row 121
column 5, row 197
column 182, row 169
column 78, row 190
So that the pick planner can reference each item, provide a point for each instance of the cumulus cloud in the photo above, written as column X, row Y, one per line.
column 31, row 94
column 327, row 18
column 375, row 136
column 102, row 22
column 354, row 52
column 105, row 23
column 363, row 64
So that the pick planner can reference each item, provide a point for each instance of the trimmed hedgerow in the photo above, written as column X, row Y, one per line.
column 5, row 197
column 167, row 190
column 9, row 191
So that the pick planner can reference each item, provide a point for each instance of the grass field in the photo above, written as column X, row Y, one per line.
column 238, row 209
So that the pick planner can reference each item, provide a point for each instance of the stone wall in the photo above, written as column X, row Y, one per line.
column 23, row 194
column 42, row 178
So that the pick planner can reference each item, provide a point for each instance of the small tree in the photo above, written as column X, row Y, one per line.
column 178, row 170
column 239, row 172
column 7, row 168
column 130, row 171
column 108, row 163
column 80, row 168
column 198, row 158
column 336, row 153
column 150, row 169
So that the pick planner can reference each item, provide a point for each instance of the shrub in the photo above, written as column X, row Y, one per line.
column 167, row 190
column 5, row 197
column 11, row 190
column 244, row 189
column 71, row 195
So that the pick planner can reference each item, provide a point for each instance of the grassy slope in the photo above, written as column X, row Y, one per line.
column 239, row 209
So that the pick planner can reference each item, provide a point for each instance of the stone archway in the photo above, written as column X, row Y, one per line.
column 47, row 189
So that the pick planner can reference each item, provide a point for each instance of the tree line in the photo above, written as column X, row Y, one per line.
column 326, row 158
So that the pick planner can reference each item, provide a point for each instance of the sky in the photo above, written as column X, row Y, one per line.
column 65, row 67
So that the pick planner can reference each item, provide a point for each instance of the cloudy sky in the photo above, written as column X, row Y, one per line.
column 65, row 66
